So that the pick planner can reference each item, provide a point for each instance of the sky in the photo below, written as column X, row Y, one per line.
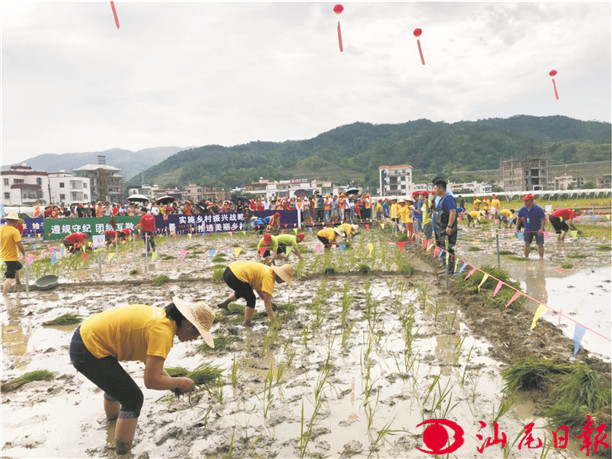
column 200, row 73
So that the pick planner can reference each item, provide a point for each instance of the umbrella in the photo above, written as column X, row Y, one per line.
column 138, row 197
column 302, row 193
column 237, row 199
column 165, row 200
column 351, row 191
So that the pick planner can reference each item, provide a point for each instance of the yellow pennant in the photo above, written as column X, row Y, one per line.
column 541, row 310
column 237, row 251
column 189, row 235
column 295, row 230
column 608, row 216
column 431, row 246
column 382, row 225
column 370, row 248
column 153, row 256
column 110, row 255
column 244, row 233
column 484, row 278
column 574, row 234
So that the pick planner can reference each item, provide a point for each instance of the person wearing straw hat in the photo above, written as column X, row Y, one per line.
column 328, row 236
column 349, row 230
column 10, row 247
column 245, row 276
column 136, row 332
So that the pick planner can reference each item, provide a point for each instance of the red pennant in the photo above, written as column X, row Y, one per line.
column 115, row 13
column 367, row 226
column 400, row 245
column 497, row 288
column 435, row 253
column 514, row 297
column 85, row 255
column 474, row 269
column 262, row 250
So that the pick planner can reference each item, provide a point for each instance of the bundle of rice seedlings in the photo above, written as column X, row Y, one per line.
column 530, row 373
column 503, row 296
column 603, row 248
column 577, row 256
column 473, row 248
column 37, row 375
column 406, row 268
column 567, row 266
column 219, row 257
column 581, row 392
column 364, row 269
column 329, row 271
column 217, row 275
column 65, row 319
column 220, row 343
column 205, row 374
column 177, row 371
column 161, row 279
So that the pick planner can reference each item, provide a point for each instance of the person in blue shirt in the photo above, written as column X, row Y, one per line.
column 260, row 223
column 534, row 219
column 446, row 222
column 385, row 206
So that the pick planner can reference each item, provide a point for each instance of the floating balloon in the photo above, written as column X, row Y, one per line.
column 115, row 13
column 339, row 9
column 552, row 73
column 417, row 33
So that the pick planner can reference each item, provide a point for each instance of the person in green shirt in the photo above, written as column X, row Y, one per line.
column 426, row 212
column 267, row 248
column 288, row 241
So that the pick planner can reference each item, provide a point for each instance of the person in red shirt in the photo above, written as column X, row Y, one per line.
column 562, row 220
column 147, row 229
column 124, row 234
column 115, row 210
column 110, row 236
column 73, row 242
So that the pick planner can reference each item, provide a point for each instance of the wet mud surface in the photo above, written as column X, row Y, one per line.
column 358, row 362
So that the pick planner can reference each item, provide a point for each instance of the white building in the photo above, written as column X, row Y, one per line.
column 470, row 187
column 395, row 180
column 21, row 185
column 289, row 188
column 564, row 182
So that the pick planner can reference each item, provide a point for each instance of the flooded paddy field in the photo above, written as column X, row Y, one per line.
column 361, row 357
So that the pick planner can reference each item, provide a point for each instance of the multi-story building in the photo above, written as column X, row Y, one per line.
column 395, row 180
column 564, row 182
column 289, row 188
column 106, row 181
column 529, row 174
column 199, row 193
column 470, row 187
column 21, row 185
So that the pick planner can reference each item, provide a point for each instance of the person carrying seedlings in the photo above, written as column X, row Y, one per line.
column 260, row 223
column 286, row 241
column 267, row 248
column 10, row 248
column 245, row 276
column 75, row 241
column 136, row 332
column 562, row 220
column 147, row 229
column 534, row 219
column 349, row 230
column 328, row 236
column 446, row 222
column 506, row 217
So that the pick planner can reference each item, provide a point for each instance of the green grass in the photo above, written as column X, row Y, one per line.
column 503, row 296
column 603, row 248
column 330, row 270
column 474, row 249
column 517, row 258
column 577, row 256
column 567, row 266
column 217, row 275
column 219, row 257
column 16, row 383
column 530, row 373
column 64, row 319
column 160, row 279
column 506, row 252
column 406, row 268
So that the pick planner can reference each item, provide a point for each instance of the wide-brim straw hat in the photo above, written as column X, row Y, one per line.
column 285, row 272
column 200, row 315
column 355, row 227
column 13, row 216
column 339, row 231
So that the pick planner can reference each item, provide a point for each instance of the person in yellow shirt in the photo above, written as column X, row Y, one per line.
column 349, row 230
column 505, row 216
column 328, row 236
column 245, row 276
column 485, row 204
column 10, row 247
column 394, row 214
column 378, row 210
column 495, row 207
column 142, row 333
column 405, row 212
column 474, row 215
column 476, row 203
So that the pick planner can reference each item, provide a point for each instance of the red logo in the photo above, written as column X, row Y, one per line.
column 436, row 437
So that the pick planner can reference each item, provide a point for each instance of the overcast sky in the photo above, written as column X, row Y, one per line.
column 191, row 74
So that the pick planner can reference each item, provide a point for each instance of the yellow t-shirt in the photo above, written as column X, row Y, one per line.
column 405, row 213
column 328, row 233
column 9, row 237
column 476, row 204
column 485, row 204
column 257, row 275
column 348, row 229
column 394, row 211
column 129, row 333
column 475, row 214
column 495, row 203
column 506, row 213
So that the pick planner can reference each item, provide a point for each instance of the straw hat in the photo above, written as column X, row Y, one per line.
column 401, row 201
column 200, row 315
column 339, row 231
column 13, row 216
column 355, row 227
column 285, row 272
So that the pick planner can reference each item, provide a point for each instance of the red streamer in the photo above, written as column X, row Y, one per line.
column 340, row 37
column 115, row 13
column 555, row 87
column 421, row 52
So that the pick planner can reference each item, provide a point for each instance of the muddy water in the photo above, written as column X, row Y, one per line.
column 380, row 379
column 581, row 292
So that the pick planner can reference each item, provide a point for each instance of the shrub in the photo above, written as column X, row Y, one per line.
column 160, row 279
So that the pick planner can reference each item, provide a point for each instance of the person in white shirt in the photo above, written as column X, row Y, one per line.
column 266, row 204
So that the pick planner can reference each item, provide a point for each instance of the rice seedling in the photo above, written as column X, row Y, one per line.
column 330, row 271
column 382, row 434
column 270, row 336
column 177, row 371
column 603, row 248
column 471, row 284
column 221, row 343
column 16, row 383
column 234, row 372
column 517, row 258
column 305, row 335
column 65, row 319
column 504, row 405
column 467, row 363
column 506, row 252
column 160, row 279
column 133, row 272
column 203, row 375
column 474, row 248
column 567, row 266
column 578, row 256
column 509, row 446
column 530, row 373
column 267, row 392
column 346, row 333
column 306, row 435
column 231, row 445
column 219, row 257
column 364, row 269
column 217, row 275
column 347, row 300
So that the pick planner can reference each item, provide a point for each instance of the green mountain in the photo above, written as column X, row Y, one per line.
column 354, row 152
